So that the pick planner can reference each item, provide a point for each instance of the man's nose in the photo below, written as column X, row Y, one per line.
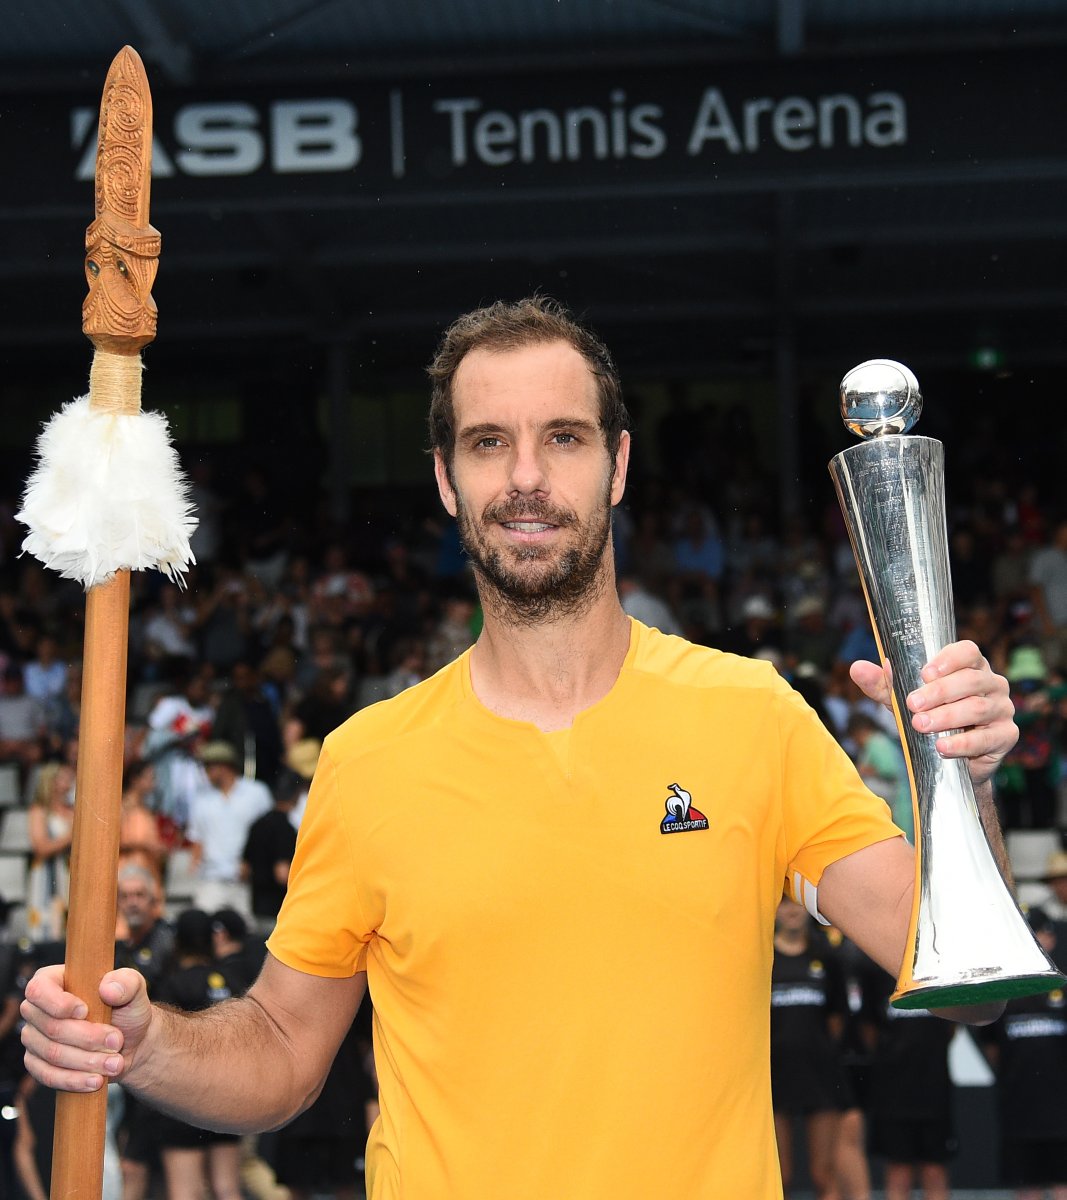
column 528, row 473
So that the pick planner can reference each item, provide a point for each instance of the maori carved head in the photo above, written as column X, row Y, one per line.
column 121, row 261
column 122, row 248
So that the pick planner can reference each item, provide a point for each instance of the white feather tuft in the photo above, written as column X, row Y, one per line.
column 107, row 494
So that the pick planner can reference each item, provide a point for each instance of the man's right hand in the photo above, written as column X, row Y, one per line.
column 66, row 1051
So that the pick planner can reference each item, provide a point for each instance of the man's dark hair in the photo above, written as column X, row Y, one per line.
column 513, row 325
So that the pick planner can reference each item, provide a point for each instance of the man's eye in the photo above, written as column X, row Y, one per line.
column 487, row 443
column 564, row 439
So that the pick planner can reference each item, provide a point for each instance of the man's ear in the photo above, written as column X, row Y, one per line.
column 444, row 483
column 622, row 462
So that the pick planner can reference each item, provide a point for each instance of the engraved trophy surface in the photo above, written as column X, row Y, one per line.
column 969, row 943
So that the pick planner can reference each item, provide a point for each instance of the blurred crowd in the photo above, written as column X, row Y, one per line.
column 291, row 621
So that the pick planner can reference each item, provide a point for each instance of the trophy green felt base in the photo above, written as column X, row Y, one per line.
column 980, row 991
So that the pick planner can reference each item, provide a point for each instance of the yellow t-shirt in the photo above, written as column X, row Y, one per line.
column 569, row 1002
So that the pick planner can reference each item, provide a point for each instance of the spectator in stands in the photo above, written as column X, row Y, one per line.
column 910, row 1093
column 1029, row 774
column 1011, row 574
column 454, row 632
column 247, row 721
column 808, row 638
column 1048, row 580
column 302, row 758
column 1055, row 903
column 808, row 1009
column 880, row 760
column 45, row 676
column 139, row 837
column 407, row 661
column 63, row 712
column 1027, row 1048
column 51, row 823
column 638, row 602
column 35, row 1130
column 224, row 620
column 268, row 852
column 146, row 943
column 16, row 631
column 327, row 704
column 22, row 721
column 758, row 630
column 219, row 821
column 239, row 953
column 193, row 1158
column 323, row 656
column 168, row 632
column 317, row 1151
column 699, row 564
column 12, row 986
column 178, row 725
column 650, row 548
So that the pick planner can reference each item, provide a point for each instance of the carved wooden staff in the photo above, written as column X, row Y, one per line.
column 106, row 496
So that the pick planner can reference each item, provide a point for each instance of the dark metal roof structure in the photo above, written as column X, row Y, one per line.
column 702, row 260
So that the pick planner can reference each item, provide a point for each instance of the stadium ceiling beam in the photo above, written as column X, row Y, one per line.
column 343, row 253
column 158, row 42
column 702, row 16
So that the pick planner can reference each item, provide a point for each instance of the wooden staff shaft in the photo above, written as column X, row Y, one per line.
column 78, row 1146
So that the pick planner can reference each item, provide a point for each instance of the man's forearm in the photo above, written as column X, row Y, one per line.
column 228, row 1068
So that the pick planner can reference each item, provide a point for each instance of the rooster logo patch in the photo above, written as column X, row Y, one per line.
column 681, row 816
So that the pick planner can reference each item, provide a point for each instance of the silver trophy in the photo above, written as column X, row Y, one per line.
column 968, row 943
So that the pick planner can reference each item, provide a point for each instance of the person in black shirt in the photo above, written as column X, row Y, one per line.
column 149, row 943
column 1028, row 1049
column 194, row 983
column 910, row 1092
column 148, row 948
column 269, row 851
column 237, row 952
column 808, row 1006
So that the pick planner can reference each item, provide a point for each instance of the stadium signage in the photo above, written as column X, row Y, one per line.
column 234, row 137
column 746, row 126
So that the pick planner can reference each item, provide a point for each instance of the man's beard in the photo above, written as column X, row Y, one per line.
column 567, row 583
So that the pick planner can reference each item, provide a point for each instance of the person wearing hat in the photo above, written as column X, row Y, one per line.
column 302, row 759
column 219, row 820
column 1027, row 780
column 1055, row 903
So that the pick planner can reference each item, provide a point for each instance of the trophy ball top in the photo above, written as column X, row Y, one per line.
column 880, row 397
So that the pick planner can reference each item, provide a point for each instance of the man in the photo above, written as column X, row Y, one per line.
column 269, row 849
column 239, row 955
column 1048, row 594
column 1055, row 877
column 147, row 948
column 558, row 860
column 149, row 941
column 219, row 821
column 880, row 761
column 1028, row 1050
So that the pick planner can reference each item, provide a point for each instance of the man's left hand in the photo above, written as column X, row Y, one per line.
column 960, row 691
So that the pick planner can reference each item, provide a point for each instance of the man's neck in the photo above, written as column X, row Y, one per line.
column 549, row 671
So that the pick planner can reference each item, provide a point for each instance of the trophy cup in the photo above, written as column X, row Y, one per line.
column 968, row 941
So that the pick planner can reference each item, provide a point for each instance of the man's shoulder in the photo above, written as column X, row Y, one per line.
column 674, row 660
column 419, row 709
